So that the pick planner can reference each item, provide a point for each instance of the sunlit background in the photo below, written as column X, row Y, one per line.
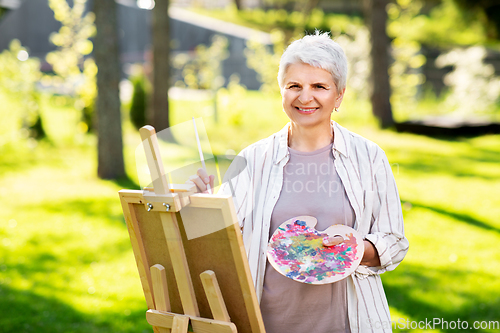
column 66, row 264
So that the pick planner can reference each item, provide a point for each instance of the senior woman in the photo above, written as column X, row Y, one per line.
column 315, row 167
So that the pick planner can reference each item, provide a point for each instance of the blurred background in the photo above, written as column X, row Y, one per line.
column 78, row 78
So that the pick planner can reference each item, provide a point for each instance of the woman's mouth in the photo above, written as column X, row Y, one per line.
column 306, row 110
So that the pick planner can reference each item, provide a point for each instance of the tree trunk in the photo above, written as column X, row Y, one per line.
column 306, row 7
column 158, row 113
column 376, row 16
column 109, row 129
column 238, row 4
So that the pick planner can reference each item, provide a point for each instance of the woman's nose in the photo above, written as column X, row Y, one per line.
column 305, row 96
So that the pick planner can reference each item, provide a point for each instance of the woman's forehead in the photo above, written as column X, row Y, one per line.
column 305, row 72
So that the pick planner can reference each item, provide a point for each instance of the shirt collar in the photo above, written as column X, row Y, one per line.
column 282, row 144
column 340, row 141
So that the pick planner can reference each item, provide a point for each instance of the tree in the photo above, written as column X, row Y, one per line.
column 237, row 3
column 491, row 9
column 376, row 16
column 106, row 54
column 158, row 113
column 73, row 70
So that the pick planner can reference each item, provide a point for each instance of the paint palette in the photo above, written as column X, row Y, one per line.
column 296, row 251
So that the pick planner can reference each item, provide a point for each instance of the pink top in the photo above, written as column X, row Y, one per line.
column 311, row 186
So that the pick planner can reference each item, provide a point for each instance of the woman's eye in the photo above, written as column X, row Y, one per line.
column 321, row 87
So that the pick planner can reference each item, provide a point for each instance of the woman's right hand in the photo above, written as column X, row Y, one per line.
column 201, row 180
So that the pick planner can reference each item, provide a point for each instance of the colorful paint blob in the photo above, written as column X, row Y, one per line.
column 296, row 250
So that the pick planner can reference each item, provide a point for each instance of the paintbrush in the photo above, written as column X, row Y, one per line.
column 201, row 154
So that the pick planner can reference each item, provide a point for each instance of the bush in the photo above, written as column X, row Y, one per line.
column 139, row 102
column 75, row 72
column 18, row 76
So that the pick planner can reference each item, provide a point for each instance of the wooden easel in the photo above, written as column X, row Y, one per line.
column 192, row 263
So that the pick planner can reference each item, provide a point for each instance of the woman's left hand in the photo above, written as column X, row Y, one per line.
column 370, row 256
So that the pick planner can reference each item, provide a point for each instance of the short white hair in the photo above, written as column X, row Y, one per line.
column 317, row 50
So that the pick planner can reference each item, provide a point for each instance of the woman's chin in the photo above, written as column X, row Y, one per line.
column 309, row 120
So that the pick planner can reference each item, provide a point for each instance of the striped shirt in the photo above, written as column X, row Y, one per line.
column 371, row 189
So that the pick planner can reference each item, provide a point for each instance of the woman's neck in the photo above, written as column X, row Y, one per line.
column 309, row 139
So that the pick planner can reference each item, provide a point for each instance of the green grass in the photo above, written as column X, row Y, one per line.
column 65, row 258
column 66, row 264
column 451, row 208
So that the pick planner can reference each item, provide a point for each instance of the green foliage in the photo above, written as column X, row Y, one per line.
column 292, row 23
column 138, row 104
column 231, row 102
column 356, row 45
column 490, row 10
column 244, row 116
column 474, row 87
column 405, row 72
column 446, row 24
column 75, row 74
column 62, row 121
column 202, row 69
column 265, row 61
column 21, row 109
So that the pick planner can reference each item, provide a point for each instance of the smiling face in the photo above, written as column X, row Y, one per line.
column 309, row 95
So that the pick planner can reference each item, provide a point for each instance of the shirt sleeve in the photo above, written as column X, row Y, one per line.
column 386, row 230
column 236, row 182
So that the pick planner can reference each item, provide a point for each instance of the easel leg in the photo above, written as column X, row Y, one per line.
column 214, row 296
column 179, row 264
column 160, row 288
column 160, row 292
column 180, row 324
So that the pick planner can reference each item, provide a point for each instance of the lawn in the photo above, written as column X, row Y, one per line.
column 66, row 264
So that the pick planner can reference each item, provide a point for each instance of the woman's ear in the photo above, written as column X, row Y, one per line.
column 340, row 97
